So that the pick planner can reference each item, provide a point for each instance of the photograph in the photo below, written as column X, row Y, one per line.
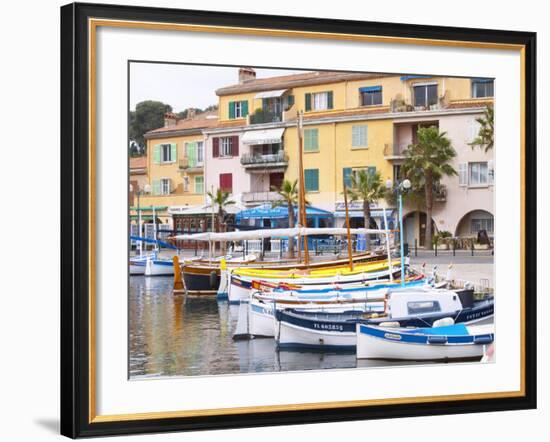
column 287, row 220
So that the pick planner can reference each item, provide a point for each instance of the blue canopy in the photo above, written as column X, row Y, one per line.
column 153, row 241
column 266, row 211
column 370, row 89
column 482, row 80
column 411, row 77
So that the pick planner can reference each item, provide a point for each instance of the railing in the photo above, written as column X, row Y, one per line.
column 184, row 164
column 264, row 159
column 395, row 150
column 260, row 197
column 264, row 116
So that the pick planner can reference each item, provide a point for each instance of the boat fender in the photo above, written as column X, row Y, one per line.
column 213, row 277
column 443, row 322
column 389, row 324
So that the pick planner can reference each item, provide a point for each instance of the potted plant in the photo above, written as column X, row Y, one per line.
column 442, row 239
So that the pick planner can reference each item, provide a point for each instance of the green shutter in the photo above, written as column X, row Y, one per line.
column 308, row 102
column 371, row 170
column 244, row 106
column 174, row 153
column 311, row 178
column 199, row 184
column 156, row 154
column 330, row 100
column 231, row 109
column 311, row 140
column 192, row 154
column 156, row 187
column 290, row 100
column 347, row 176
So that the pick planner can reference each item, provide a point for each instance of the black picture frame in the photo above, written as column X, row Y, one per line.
column 75, row 219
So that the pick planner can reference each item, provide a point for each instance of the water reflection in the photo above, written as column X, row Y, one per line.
column 171, row 337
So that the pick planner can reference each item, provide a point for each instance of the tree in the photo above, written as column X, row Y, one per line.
column 222, row 199
column 484, row 139
column 148, row 115
column 289, row 196
column 368, row 187
column 426, row 162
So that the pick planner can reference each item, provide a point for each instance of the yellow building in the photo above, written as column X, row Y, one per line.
column 352, row 121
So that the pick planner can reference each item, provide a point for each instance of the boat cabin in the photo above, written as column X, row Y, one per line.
column 420, row 302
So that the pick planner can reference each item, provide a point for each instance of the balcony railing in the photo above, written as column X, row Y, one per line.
column 184, row 164
column 260, row 160
column 264, row 116
column 440, row 193
column 395, row 151
column 260, row 197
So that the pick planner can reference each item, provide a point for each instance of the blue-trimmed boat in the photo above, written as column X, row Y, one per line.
column 297, row 328
column 457, row 341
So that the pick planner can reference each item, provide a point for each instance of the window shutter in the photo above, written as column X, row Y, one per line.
column 216, row 147
column 330, row 101
column 156, row 154
column 311, row 140
column 244, row 108
column 290, row 100
column 490, row 172
column 226, row 182
column 315, row 139
column 371, row 170
column 174, row 153
column 311, row 178
column 156, row 187
column 199, row 184
column 235, row 146
column 463, row 174
column 308, row 102
column 347, row 176
column 192, row 154
column 231, row 109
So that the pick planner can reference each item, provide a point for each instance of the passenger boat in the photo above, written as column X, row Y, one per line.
column 137, row 263
column 408, row 308
column 457, row 341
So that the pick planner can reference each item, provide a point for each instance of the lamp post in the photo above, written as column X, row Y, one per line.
column 403, row 185
column 139, row 192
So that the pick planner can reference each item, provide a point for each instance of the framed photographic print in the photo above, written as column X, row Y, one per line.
column 274, row 220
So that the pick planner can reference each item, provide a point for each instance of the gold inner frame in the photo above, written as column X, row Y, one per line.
column 93, row 24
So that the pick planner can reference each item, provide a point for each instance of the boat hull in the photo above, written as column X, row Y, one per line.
column 159, row 267
column 388, row 344
column 292, row 336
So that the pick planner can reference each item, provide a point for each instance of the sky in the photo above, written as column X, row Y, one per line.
column 184, row 86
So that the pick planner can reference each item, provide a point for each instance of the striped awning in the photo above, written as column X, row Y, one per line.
column 267, row 136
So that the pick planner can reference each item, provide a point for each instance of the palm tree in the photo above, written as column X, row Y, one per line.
column 484, row 139
column 289, row 197
column 368, row 187
column 222, row 199
column 426, row 162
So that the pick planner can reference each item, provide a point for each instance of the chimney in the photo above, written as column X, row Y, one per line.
column 170, row 119
column 246, row 75
column 191, row 112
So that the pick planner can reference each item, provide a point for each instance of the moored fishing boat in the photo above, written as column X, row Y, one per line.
column 241, row 280
column 457, row 341
column 406, row 308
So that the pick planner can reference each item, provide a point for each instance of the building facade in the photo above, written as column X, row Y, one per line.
column 351, row 122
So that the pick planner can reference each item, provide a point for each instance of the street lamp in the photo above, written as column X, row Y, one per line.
column 139, row 192
column 402, row 186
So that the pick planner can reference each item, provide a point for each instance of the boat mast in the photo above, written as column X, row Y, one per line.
column 302, row 195
column 350, row 254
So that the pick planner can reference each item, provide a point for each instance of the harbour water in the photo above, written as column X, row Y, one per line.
column 172, row 336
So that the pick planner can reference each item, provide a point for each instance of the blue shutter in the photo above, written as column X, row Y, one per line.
column 371, row 170
column 330, row 100
column 311, row 178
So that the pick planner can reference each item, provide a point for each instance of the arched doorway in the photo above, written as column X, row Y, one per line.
column 414, row 228
column 473, row 222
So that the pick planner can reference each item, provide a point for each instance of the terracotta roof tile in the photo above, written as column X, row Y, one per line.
column 294, row 80
column 201, row 121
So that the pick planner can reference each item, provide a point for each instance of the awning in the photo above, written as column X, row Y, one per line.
column 205, row 209
column 482, row 80
column 370, row 89
column 360, row 214
column 270, row 94
column 267, row 211
column 267, row 136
